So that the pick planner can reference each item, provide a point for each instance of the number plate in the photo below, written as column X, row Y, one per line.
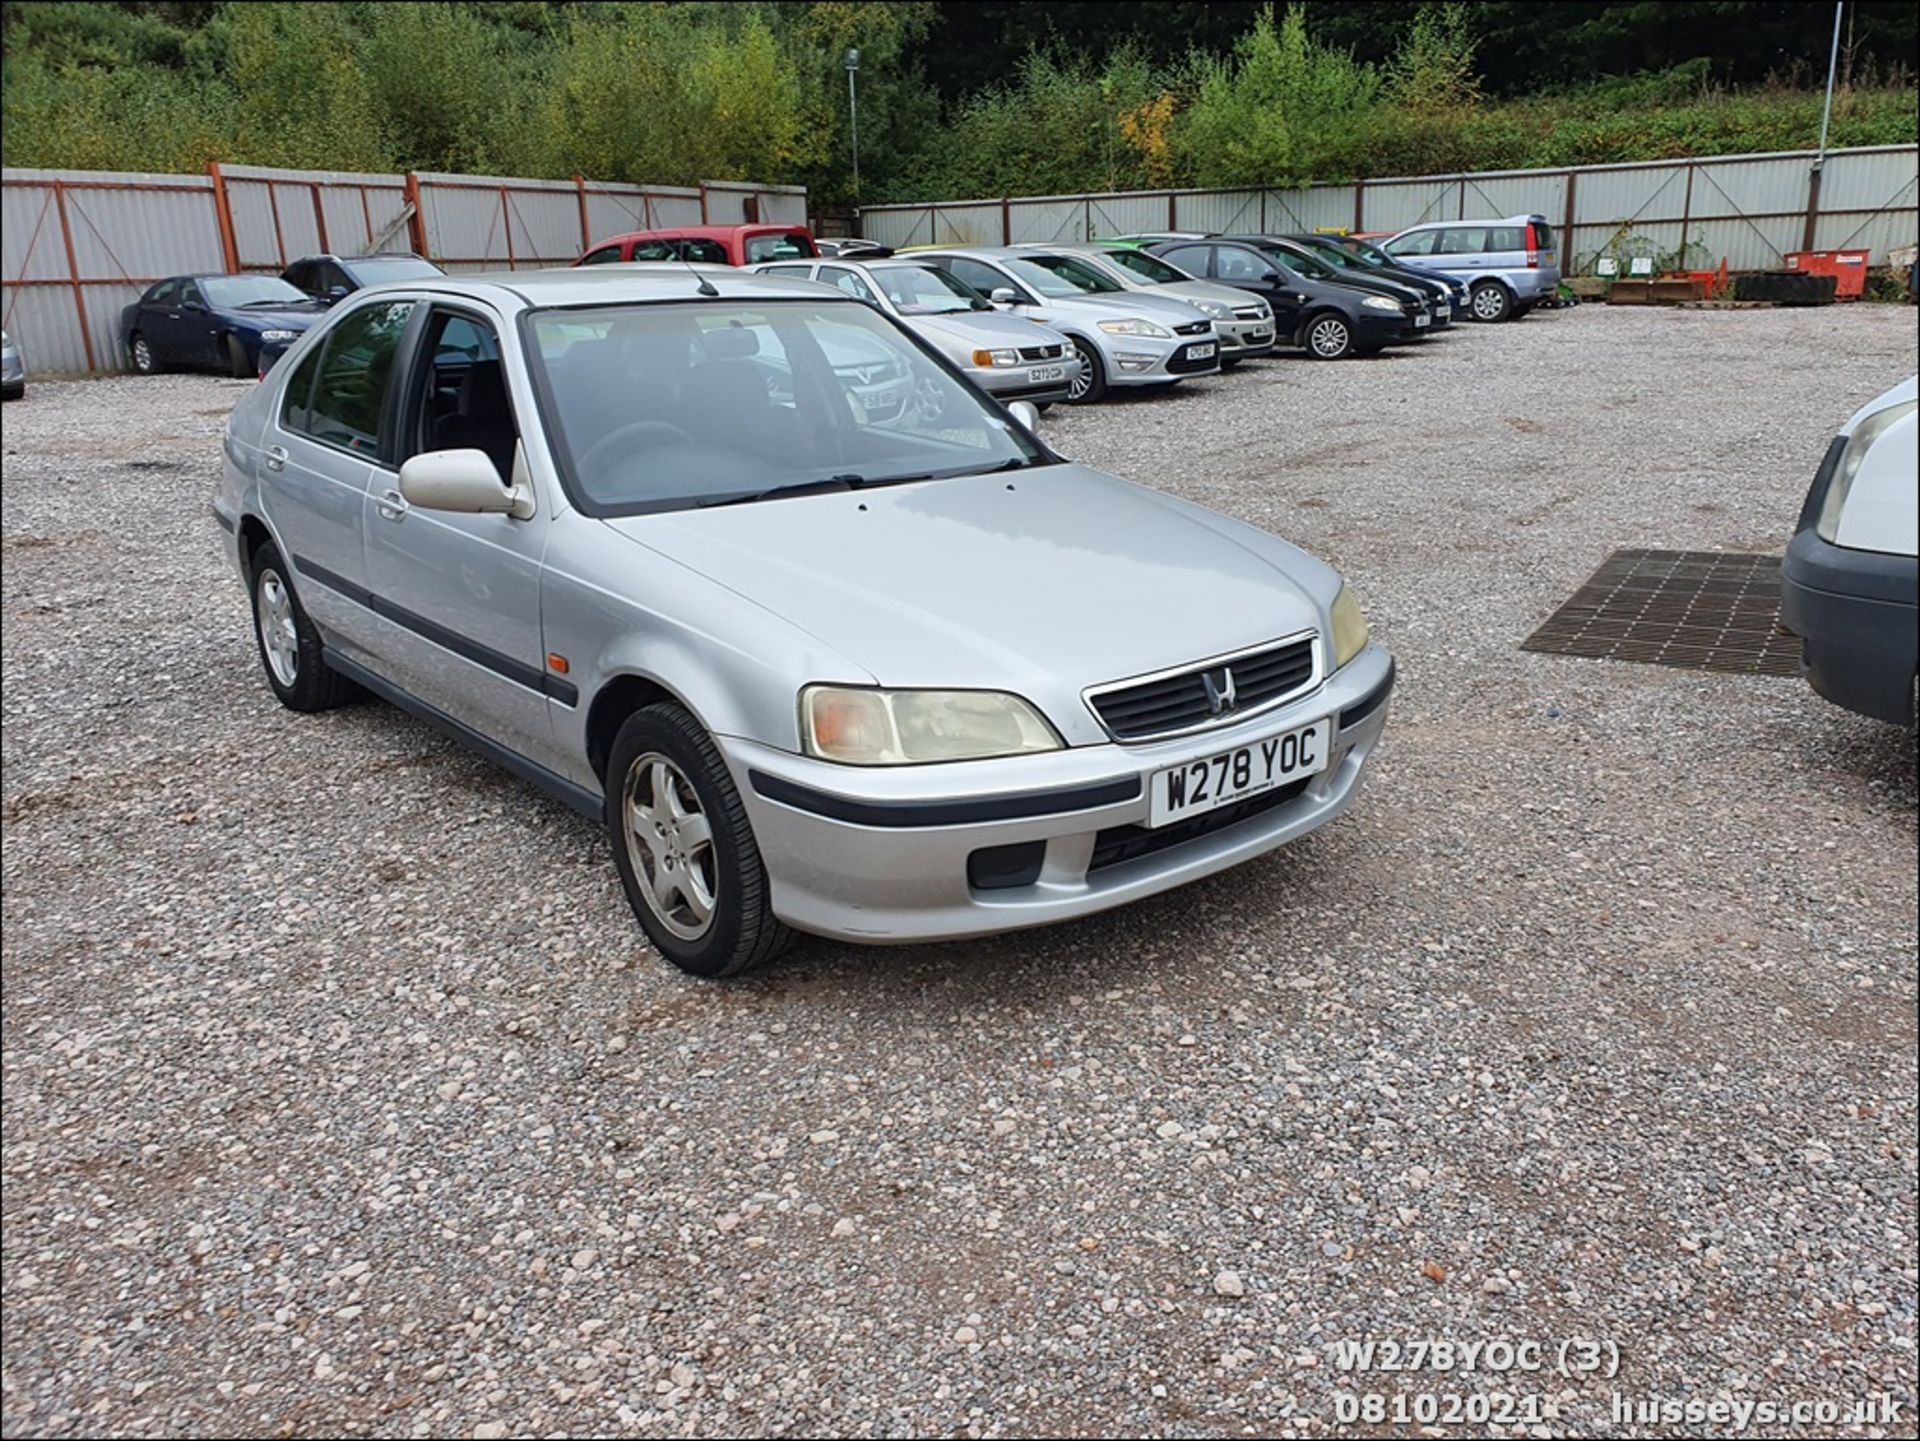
column 1179, row 793
column 1202, row 351
column 1041, row 374
column 1421, row 321
column 880, row 399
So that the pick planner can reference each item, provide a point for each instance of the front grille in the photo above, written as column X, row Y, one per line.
column 1186, row 699
column 1199, row 327
column 1249, row 312
column 1042, row 352
column 1128, row 843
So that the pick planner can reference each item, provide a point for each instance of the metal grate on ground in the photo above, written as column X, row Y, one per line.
column 1695, row 609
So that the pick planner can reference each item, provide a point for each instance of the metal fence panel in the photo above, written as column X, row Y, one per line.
column 1495, row 198
column 1228, row 212
column 1876, row 234
column 1402, row 204
column 1747, row 244
column 1029, row 221
column 616, row 209
column 1324, row 207
column 1871, row 179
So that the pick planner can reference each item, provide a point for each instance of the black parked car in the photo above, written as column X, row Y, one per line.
column 213, row 322
column 1313, row 307
column 1450, row 296
column 330, row 279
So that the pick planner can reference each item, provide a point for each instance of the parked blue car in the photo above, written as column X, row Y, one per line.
column 214, row 322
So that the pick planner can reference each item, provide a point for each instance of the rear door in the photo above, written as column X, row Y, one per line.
column 1462, row 251
column 319, row 454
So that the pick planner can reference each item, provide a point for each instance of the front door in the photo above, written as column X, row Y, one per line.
column 458, row 596
column 197, row 333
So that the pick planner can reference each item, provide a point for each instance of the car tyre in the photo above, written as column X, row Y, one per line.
column 237, row 362
column 1327, row 336
column 290, row 648
column 141, row 353
column 1491, row 302
column 1092, row 384
column 685, row 849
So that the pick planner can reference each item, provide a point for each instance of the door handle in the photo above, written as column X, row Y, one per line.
column 392, row 506
column 276, row 457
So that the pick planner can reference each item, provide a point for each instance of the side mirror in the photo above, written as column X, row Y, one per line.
column 1024, row 412
column 194, row 305
column 1004, row 295
column 1270, row 277
column 463, row 481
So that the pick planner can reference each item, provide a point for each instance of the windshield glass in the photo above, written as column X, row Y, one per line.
column 664, row 407
column 233, row 291
column 1333, row 255
column 1301, row 262
column 926, row 290
column 776, row 247
column 1366, row 250
column 1150, row 268
column 1062, row 276
column 378, row 269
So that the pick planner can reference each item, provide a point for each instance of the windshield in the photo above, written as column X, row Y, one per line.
column 665, row 407
column 1150, row 268
column 1333, row 255
column 1366, row 250
column 1061, row 276
column 926, row 290
column 379, row 269
column 230, row 292
column 792, row 246
column 1301, row 262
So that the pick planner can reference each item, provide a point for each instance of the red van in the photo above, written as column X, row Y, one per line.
column 707, row 244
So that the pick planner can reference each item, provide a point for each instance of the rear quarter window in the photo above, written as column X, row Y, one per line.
column 1507, row 237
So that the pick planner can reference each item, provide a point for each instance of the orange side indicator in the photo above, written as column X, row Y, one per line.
column 556, row 663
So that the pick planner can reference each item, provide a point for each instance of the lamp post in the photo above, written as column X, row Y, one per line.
column 1826, row 113
column 853, row 113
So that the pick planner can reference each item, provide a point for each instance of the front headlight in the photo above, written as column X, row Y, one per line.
column 987, row 359
column 1871, row 429
column 279, row 334
column 1380, row 302
column 909, row 727
column 1215, row 309
column 1349, row 628
column 1136, row 327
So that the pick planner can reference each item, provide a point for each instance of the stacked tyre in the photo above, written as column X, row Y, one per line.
column 1786, row 287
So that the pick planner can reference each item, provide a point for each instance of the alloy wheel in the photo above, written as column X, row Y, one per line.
column 1489, row 303
column 1328, row 337
column 670, row 843
column 279, row 637
column 142, row 355
column 1083, row 382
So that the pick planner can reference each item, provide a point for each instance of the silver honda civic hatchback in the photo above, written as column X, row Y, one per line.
column 879, row 674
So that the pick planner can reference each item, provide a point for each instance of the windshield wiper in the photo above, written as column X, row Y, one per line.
column 829, row 486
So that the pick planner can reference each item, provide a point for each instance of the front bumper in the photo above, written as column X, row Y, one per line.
column 1375, row 328
column 1143, row 360
column 1244, row 339
column 882, row 854
column 1858, row 620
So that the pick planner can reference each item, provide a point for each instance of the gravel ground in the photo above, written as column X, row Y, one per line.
column 342, row 1095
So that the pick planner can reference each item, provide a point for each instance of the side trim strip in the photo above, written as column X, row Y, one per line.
column 565, row 692
column 970, row 811
column 559, row 787
column 226, row 523
column 1372, row 700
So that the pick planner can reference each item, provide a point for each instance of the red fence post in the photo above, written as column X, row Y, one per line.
column 1359, row 206
column 506, row 221
column 1006, row 220
column 73, row 273
column 417, row 224
column 223, row 217
column 1566, row 231
column 703, row 202
column 1813, row 207
column 1172, row 209
column 586, row 236
column 279, row 240
column 319, row 218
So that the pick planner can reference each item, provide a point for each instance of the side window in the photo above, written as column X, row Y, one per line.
column 1463, row 240
column 653, row 250
column 1190, row 258
column 605, row 255
column 1414, row 242
column 849, row 281
column 1506, row 237
column 983, row 278
column 166, row 293
column 190, row 294
column 1237, row 264
column 350, row 388
column 293, row 405
column 460, row 395
column 704, row 252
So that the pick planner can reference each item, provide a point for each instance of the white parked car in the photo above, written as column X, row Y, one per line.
column 1848, row 589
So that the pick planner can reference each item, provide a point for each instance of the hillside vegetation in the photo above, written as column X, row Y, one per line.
column 674, row 94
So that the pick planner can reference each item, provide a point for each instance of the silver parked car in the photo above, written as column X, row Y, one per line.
column 1123, row 337
column 883, row 680
column 13, row 369
column 1243, row 322
column 1005, row 355
column 1508, row 266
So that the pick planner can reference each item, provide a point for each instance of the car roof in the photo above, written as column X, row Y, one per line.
column 1484, row 220
column 614, row 285
column 702, row 232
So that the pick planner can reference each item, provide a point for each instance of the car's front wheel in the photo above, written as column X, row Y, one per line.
column 1091, row 384
column 237, row 363
column 685, row 849
column 1491, row 302
column 1329, row 337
